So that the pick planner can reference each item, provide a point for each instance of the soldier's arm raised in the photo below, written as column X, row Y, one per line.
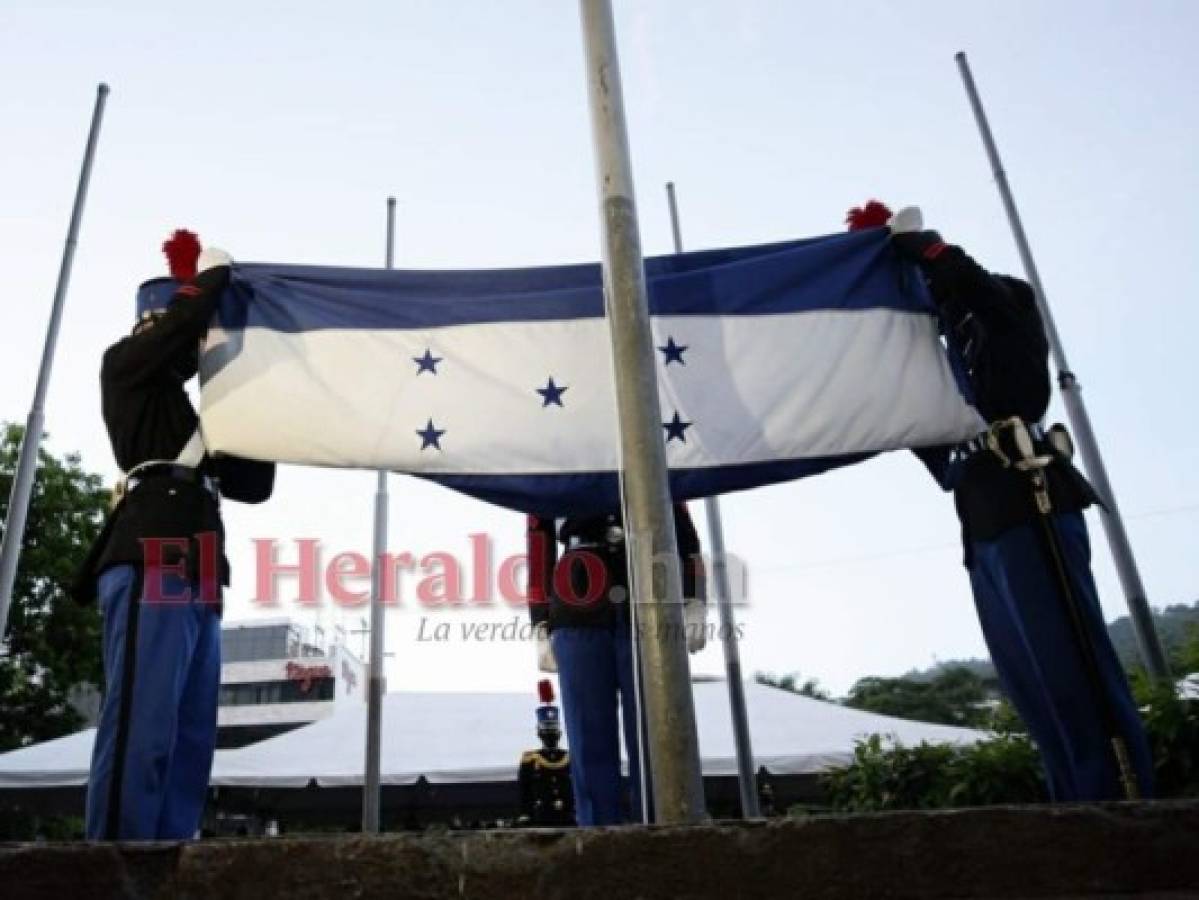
column 163, row 349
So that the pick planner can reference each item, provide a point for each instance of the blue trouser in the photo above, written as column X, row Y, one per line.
column 1036, row 654
column 157, row 731
column 595, row 673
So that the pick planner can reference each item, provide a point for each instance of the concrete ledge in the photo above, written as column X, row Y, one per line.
column 1111, row 850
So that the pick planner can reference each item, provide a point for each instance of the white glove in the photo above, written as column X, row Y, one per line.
column 545, row 650
column 695, row 619
column 907, row 219
column 211, row 257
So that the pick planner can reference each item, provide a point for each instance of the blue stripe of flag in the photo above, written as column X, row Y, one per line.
column 855, row 271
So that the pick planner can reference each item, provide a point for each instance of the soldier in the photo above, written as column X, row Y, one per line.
column 546, row 798
column 1020, row 501
column 159, row 564
column 584, row 633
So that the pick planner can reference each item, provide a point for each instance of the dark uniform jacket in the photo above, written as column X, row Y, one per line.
column 601, row 537
column 149, row 417
column 546, row 796
column 992, row 321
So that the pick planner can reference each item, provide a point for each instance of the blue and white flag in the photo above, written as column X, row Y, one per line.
column 774, row 362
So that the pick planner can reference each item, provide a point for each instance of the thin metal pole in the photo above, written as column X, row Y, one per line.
column 371, row 791
column 22, row 485
column 1109, row 513
column 746, row 779
column 666, row 683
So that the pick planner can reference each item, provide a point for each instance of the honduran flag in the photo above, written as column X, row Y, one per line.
column 774, row 362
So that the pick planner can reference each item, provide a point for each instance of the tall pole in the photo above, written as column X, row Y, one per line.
column 371, row 791
column 35, row 424
column 724, row 603
column 657, row 589
column 1109, row 513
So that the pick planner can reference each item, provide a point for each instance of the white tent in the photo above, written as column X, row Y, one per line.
column 479, row 737
column 62, row 762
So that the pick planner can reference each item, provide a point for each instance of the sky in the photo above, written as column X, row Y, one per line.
column 276, row 131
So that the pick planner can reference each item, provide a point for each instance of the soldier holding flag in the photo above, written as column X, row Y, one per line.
column 158, row 565
column 582, row 613
column 1020, row 502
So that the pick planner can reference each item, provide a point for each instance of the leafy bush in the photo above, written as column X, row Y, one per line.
column 1006, row 769
column 20, row 824
column 886, row 775
column 1172, row 724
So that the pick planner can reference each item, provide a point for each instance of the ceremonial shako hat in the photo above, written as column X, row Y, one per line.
column 870, row 215
column 182, row 251
column 547, row 714
column 155, row 295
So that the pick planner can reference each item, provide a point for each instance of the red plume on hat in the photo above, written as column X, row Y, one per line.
column 183, row 252
column 545, row 690
column 872, row 215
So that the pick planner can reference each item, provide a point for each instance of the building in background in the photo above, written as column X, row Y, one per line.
column 276, row 676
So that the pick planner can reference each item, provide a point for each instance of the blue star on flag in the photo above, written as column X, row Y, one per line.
column 427, row 363
column 674, row 352
column 675, row 428
column 430, row 436
column 552, row 393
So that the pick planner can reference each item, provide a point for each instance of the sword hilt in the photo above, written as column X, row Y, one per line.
column 1128, row 778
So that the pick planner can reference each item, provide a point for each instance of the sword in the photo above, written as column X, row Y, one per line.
column 1028, row 461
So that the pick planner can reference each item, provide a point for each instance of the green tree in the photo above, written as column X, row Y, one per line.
column 1176, row 626
column 1185, row 658
column 956, row 696
column 52, row 644
column 790, row 682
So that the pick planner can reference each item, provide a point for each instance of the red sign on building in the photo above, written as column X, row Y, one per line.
column 305, row 675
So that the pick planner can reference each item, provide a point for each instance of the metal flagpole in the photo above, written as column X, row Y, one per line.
column 374, row 702
column 724, row 602
column 670, row 710
column 1109, row 513
column 22, row 485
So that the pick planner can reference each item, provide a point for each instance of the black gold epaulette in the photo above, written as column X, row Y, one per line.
column 537, row 759
column 560, row 764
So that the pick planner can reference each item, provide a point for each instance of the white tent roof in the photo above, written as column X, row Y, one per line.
column 465, row 737
column 62, row 762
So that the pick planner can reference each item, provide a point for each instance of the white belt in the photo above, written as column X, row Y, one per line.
column 190, row 457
